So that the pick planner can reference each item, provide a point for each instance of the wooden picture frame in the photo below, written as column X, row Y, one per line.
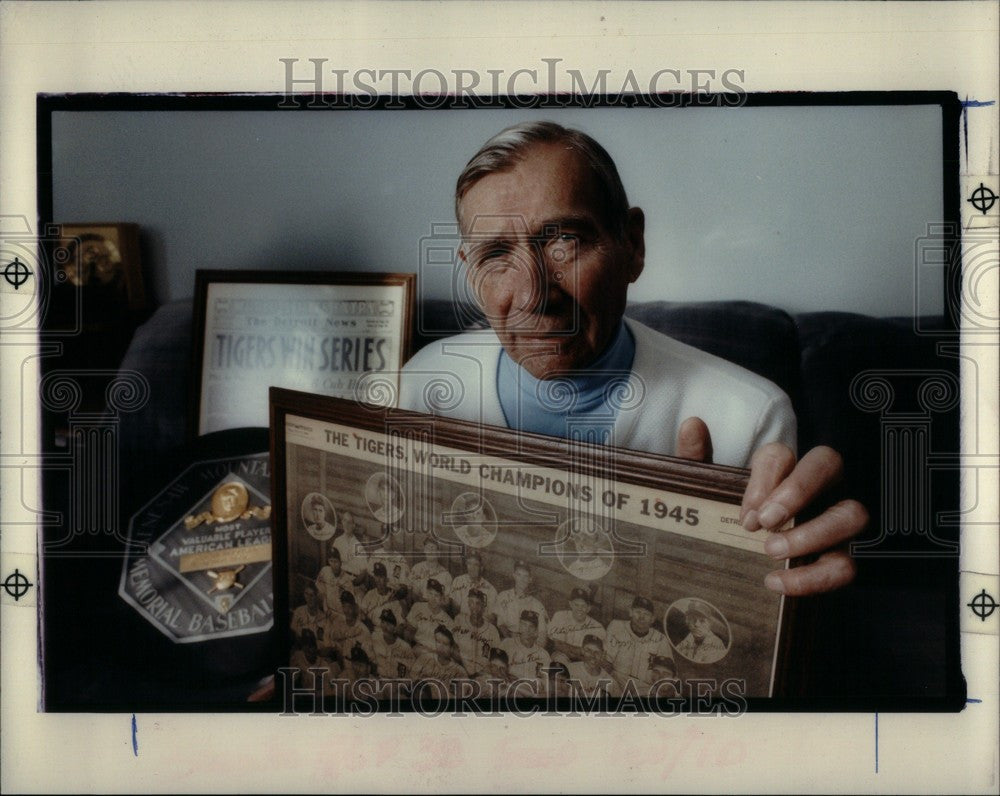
column 102, row 259
column 312, row 330
column 664, row 534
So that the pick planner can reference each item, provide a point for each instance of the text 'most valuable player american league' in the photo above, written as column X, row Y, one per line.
column 590, row 568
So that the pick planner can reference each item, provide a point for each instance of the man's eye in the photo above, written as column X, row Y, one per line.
column 491, row 256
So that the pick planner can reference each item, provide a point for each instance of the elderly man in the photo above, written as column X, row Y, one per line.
column 551, row 246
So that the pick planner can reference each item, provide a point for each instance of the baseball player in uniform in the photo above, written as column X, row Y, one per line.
column 592, row 675
column 425, row 616
column 512, row 603
column 661, row 670
column 332, row 582
column 568, row 628
column 346, row 630
column 352, row 555
column 377, row 551
column 700, row 645
column 394, row 658
column 379, row 597
column 307, row 657
column 497, row 672
column 474, row 635
column 632, row 643
column 439, row 664
column 528, row 658
column 311, row 616
column 472, row 579
column 359, row 668
column 429, row 568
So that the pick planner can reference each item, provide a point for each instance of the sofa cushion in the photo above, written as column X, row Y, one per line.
column 161, row 352
column 887, row 361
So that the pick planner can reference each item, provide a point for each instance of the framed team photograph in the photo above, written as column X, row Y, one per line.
column 474, row 561
column 312, row 331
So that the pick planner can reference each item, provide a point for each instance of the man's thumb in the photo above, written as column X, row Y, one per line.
column 694, row 441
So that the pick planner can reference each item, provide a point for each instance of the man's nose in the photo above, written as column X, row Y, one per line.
column 539, row 279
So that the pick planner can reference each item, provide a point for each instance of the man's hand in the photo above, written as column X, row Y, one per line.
column 779, row 488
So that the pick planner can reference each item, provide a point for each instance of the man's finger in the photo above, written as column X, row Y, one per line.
column 830, row 571
column 833, row 527
column 768, row 468
column 819, row 469
column 694, row 441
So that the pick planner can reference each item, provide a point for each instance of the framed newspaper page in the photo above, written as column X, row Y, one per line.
column 308, row 330
column 422, row 558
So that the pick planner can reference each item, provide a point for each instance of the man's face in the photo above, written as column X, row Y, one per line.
column 319, row 513
column 474, row 568
column 578, row 608
column 442, row 645
column 592, row 655
column 431, row 552
column 348, row 520
column 476, row 607
column 228, row 501
column 388, row 631
column 380, row 582
column 522, row 579
column 311, row 598
column 498, row 669
column 549, row 274
column 335, row 565
column 434, row 599
column 698, row 625
column 350, row 612
column 642, row 620
column 527, row 632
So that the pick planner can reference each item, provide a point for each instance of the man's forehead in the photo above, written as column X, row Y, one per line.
column 485, row 227
column 547, row 183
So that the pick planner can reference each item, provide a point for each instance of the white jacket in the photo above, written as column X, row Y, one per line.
column 670, row 382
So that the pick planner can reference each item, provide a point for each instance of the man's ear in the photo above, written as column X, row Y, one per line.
column 635, row 240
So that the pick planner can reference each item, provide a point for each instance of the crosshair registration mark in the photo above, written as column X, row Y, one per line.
column 982, row 199
column 17, row 585
column 983, row 605
column 16, row 273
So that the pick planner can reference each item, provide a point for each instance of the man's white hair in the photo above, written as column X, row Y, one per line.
column 510, row 145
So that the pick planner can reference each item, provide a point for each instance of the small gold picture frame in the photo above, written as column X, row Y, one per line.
column 103, row 258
